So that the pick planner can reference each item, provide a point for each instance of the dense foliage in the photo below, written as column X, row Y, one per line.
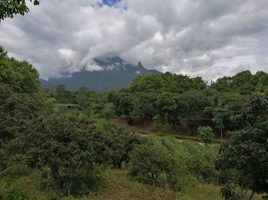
column 181, row 164
column 244, row 156
column 10, row 8
column 73, row 148
column 206, row 134
column 170, row 100
column 19, row 75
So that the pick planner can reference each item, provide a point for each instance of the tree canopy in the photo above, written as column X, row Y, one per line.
column 9, row 8
column 243, row 158
column 21, row 76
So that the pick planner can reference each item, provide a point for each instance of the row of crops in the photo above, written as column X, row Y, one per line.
column 180, row 166
column 184, row 149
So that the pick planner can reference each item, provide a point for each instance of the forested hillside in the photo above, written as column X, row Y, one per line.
column 113, row 73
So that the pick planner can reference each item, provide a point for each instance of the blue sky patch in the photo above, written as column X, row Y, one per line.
column 110, row 2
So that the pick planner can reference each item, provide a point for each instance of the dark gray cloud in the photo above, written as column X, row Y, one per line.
column 205, row 38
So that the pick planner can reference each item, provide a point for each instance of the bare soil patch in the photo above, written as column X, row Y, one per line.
column 149, row 127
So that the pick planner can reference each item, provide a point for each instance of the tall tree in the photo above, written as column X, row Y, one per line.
column 168, row 108
column 143, row 106
column 146, row 83
column 63, row 95
column 196, row 103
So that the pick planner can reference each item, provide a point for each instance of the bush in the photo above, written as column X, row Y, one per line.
column 19, row 194
column 206, row 134
column 202, row 170
column 183, row 182
column 150, row 161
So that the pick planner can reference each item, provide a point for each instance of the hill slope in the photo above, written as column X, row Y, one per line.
column 116, row 73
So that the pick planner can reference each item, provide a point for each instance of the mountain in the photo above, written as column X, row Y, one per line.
column 116, row 73
column 46, row 84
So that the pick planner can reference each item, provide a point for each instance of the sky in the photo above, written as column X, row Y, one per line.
column 207, row 38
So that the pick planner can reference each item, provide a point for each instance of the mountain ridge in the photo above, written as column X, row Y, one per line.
column 115, row 73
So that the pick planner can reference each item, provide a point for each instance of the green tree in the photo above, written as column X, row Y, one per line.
column 219, row 114
column 233, row 101
column 210, row 92
column 159, row 122
column 206, row 134
column 110, row 95
column 21, row 76
column 146, row 83
column 63, row 95
column 222, row 84
column 244, row 156
column 120, row 143
column 83, row 90
column 16, row 110
column 180, row 83
column 198, row 83
column 150, row 161
column 168, row 106
column 108, row 111
column 9, row 8
column 123, row 103
column 143, row 106
column 241, row 79
column 83, row 101
column 196, row 102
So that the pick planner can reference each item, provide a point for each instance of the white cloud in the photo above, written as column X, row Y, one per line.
column 205, row 38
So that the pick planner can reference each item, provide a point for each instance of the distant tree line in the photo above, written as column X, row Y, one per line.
column 170, row 99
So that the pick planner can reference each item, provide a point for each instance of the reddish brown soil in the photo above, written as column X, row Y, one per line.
column 149, row 127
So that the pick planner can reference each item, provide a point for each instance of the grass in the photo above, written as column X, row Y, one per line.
column 132, row 189
column 187, row 137
column 22, row 181
column 98, row 118
column 101, row 121
column 26, row 181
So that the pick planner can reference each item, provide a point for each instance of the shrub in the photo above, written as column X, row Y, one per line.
column 206, row 133
column 202, row 170
column 150, row 161
column 19, row 193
